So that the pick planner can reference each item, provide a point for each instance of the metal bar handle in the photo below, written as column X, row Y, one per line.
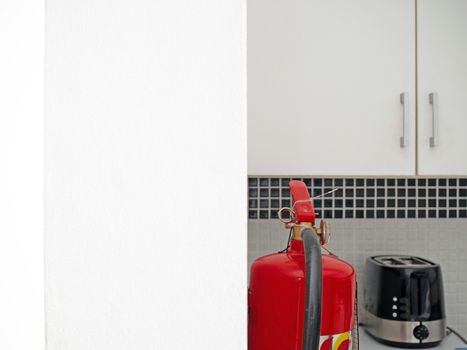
column 434, row 119
column 404, row 98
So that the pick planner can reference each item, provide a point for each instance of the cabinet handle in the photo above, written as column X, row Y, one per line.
column 434, row 119
column 404, row 140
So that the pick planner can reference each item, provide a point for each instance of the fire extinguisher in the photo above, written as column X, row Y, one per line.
column 300, row 299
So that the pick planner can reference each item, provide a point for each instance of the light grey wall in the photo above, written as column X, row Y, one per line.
column 442, row 241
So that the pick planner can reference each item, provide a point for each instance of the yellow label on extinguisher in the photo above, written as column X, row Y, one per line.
column 341, row 341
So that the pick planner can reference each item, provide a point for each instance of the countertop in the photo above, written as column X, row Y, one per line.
column 450, row 342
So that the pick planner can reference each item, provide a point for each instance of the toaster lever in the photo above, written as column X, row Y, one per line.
column 420, row 305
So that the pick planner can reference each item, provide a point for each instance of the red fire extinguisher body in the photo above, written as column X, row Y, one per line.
column 276, row 300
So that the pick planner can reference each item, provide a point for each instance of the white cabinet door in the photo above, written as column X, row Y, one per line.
column 324, row 85
column 442, row 69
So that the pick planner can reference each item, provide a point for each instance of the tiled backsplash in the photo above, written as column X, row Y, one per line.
column 443, row 241
column 360, row 198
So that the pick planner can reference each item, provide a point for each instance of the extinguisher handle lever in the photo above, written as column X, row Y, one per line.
column 302, row 203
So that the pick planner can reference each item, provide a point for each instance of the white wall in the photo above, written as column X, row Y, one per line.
column 145, row 175
column 21, row 174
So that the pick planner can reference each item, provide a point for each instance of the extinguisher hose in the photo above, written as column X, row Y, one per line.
column 313, row 272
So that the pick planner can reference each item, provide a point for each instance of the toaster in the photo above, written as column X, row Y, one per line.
column 404, row 301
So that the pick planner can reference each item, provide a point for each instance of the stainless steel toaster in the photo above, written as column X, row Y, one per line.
column 404, row 301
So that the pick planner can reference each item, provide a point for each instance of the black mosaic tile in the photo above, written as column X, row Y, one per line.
column 252, row 182
column 275, row 182
column 253, row 203
column 252, row 214
column 370, row 198
column 275, row 192
column 252, row 192
column 275, row 203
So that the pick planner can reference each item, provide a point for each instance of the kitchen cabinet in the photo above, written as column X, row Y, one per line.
column 333, row 87
column 324, row 86
column 442, row 71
